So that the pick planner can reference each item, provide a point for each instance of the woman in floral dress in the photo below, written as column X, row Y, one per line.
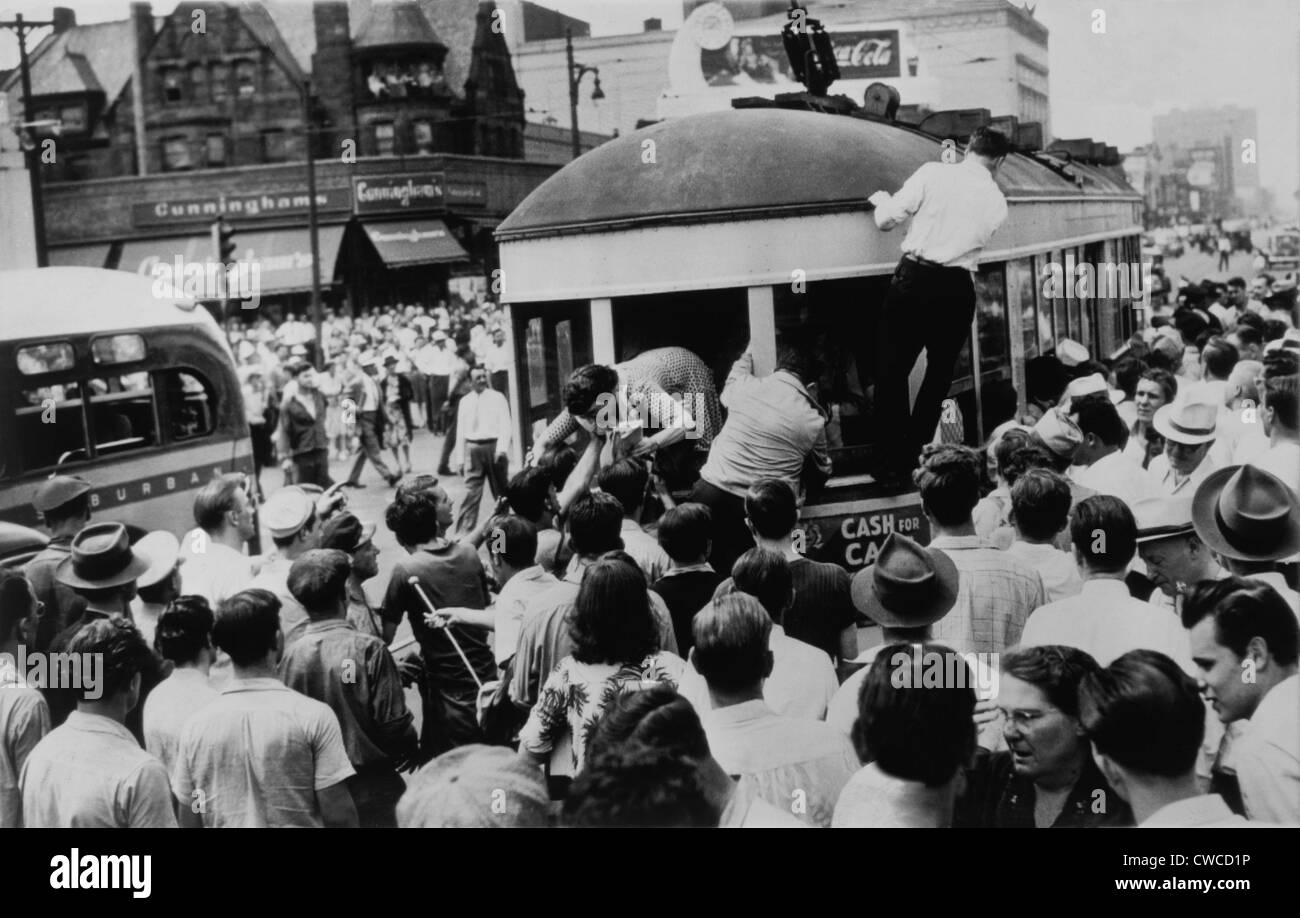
column 615, row 651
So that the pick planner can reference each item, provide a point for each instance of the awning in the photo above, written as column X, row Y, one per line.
column 415, row 242
column 283, row 257
column 80, row 256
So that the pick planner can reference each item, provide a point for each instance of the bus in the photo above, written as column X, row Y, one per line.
column 104, row 379
column 716, row 230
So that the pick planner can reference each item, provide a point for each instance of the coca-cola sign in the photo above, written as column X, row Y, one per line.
column 750, row 59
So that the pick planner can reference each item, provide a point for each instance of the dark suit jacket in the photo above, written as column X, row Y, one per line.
column 300, row 433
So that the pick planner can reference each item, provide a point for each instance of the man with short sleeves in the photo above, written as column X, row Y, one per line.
column 91, row 772
column 261, row 755
column 482, row 450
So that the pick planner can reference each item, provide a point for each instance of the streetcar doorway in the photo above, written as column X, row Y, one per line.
column 551, row 340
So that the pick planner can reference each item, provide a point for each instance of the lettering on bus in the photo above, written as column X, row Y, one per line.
column 155, row 486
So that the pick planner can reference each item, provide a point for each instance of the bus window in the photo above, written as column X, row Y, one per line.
column 45, row 358
column 190, row 403
column 118, row 349
column 48, row 429
column 1020, row 273
column 122, row 415
column 991, row 317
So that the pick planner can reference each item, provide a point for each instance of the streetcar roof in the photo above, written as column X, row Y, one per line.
column 50, row 302
column 744, row 163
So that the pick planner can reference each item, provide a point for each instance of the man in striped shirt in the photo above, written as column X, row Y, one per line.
column 997, row 591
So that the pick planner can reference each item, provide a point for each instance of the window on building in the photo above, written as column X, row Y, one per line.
column 385, row 139
column 171, row 80
column 274, row 148
column 199, row 82
column 216, row 150
column 220, row 82
column 73, row 118
column 176, row 154
column 423, row 136
column 246, row 77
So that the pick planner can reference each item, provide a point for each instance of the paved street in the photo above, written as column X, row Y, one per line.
column 1197, row 266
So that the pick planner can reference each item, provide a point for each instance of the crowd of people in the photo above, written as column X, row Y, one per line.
column 1102, row 630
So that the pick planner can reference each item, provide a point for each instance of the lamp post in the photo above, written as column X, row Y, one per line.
column 313, row 227
column 22, row 27
column 576, row 73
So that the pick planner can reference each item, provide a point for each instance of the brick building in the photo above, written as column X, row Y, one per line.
column 414, row 115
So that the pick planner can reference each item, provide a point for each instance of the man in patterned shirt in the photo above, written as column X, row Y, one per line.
column 997, row 591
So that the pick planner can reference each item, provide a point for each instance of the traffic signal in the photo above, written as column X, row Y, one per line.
column 223, row 241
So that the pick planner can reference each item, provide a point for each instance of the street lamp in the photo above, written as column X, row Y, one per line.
column 576, row 73
column 22, row 27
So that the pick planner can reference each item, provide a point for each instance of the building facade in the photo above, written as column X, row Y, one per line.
column 939, row 54
column 411, row 109
column 1202, row 166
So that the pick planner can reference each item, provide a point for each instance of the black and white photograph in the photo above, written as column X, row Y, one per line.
column 651, row 414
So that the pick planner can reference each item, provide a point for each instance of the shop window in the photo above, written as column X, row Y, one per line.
column 176, row 154
column 171, row 80
column 423, row 136
column 48, row 428
column 220, row 84
column 274, row 146
column 246, row 78
column 216, row 150
column 122, row 414
column 190, row 400
column 385, row 141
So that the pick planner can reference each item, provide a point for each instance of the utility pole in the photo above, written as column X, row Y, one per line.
column 313, row 225
column 31, row 150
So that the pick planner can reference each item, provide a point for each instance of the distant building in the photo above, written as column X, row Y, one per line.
column 551, row 143
column 1201, row 153
column 940, row 54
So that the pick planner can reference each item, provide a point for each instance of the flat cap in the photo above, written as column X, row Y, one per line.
column 57, row 491
column 285, row 511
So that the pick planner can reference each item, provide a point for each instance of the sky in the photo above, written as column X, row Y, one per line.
column 1155, row 56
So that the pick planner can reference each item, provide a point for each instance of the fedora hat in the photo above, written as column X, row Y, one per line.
column 162, row 550
column 1247, row 514
column 908, row 586
column 1189, row 423
column 101, row 559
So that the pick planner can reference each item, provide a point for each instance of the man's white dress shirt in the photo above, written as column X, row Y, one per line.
column 482, row 416
column 955, row 208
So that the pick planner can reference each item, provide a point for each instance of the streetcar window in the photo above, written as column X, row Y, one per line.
column 1021, row 278
column 48, row 428
column 1060, row 319
column 191, row 403
column 122, row 413
column 536, row 350
column 991, row 317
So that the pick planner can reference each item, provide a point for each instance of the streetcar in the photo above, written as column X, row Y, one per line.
column 726, row 229
column 103, row 378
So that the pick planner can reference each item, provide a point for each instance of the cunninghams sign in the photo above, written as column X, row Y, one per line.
column 374, row 194
column 236, row 206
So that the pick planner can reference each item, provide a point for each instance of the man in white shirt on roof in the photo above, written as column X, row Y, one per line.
column 1251, row 521
column 1104, row 620
column 803, row 680
column 955, row 208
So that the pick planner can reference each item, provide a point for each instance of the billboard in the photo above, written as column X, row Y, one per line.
column 761, row 59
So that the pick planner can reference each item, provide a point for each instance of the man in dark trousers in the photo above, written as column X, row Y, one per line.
column 300, row 435
column 955, row 208
column 366, row 395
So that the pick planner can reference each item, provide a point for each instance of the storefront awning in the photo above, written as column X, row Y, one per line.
column 282, row 256
column 415, row 242
column 80, row 256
